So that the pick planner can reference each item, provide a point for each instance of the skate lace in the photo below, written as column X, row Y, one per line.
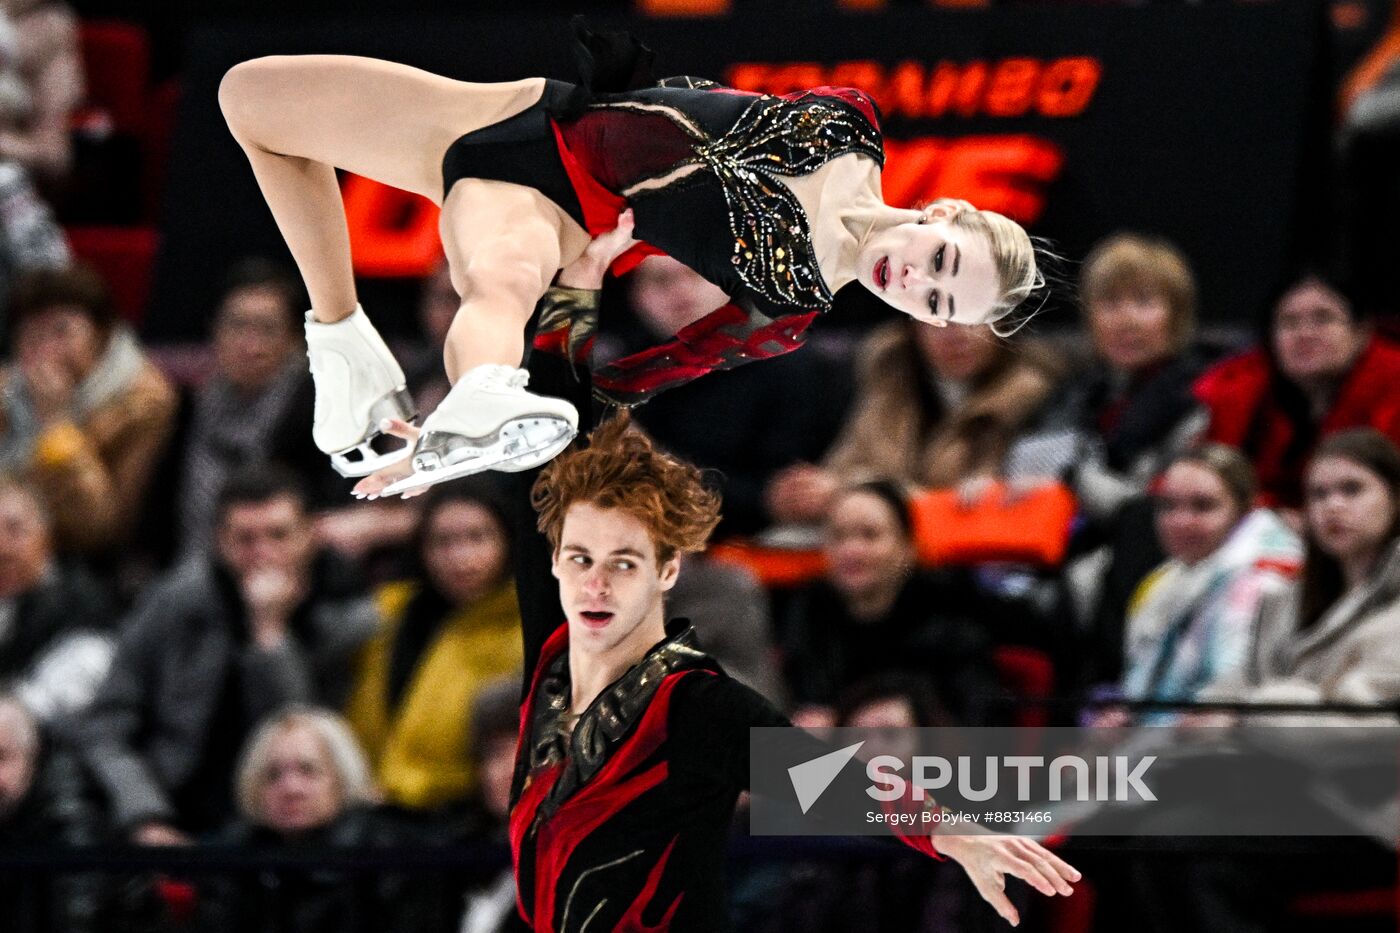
column 505, row 377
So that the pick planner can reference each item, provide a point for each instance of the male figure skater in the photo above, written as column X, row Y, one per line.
column 634, row 744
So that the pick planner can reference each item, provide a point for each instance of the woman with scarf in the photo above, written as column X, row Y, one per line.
column 84, row 413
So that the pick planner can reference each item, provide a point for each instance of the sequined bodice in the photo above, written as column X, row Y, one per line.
column 769, row 248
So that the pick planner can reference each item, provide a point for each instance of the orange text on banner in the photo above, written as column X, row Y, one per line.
column 1007, row 87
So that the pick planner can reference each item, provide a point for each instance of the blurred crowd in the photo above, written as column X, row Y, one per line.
column 204, row 641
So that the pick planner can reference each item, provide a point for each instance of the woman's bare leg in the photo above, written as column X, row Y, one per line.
column 299, row 118
column 504, row 243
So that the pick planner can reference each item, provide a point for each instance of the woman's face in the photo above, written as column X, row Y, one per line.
column 465, row 551
column 1314, row 334
column 1195, row 512
column 1131, row 329
column 936, row 272
column 1350, row 509
column 865, row 545
column 299, row 790
column 957, row 353
column 63, row 336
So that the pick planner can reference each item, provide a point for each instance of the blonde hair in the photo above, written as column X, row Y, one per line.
column 1013, row 253
column 347, row 760
column 1130, row 262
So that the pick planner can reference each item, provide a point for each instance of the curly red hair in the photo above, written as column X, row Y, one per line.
column 622, row 468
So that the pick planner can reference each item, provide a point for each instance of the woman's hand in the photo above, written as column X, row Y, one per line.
column 371, row 486
column 988, row 858
column 588, row 270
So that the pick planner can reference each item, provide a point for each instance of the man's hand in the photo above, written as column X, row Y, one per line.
column 988, row 858
column 270, row 595
column 801, row 494
column 588, row 270
column 51, row 386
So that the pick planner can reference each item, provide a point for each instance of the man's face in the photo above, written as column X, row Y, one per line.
column 254, row 337
column 24, row 543
column 609, row 579
column 271, row 535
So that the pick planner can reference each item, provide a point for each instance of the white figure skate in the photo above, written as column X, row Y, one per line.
column 358, row 385
column 489, row 422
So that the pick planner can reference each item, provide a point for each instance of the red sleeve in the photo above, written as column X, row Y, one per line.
column 727, row 337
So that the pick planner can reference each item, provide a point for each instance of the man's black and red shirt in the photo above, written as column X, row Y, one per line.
column 623, row 824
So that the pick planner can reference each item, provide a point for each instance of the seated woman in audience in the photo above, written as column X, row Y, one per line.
column 934, row 407
column 1334, row 637
column 83, row 411
column 449, row 628
column 875, row 613
column 304, row 782
column 1189, row 622
column 1319, row 371
column 1113, row 428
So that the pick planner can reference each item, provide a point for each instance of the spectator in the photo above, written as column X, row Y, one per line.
column 449, row 628
column 1335, row 636
column 716, row 422
column 731, row 613
column 1123, row 420
column 84, row 412
column 875, row 612
column 54, row 619
column 1320, row 371
column 41, row 805
column 934, row 407
column 1190, row 621
column 41, row 84
column 490, row 899
column 263, row 621
column 254, row 408
column 303, row 782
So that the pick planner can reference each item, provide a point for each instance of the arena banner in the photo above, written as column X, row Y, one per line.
column 1197, row 123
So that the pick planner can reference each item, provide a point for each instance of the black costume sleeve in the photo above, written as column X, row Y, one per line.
column 556, row 375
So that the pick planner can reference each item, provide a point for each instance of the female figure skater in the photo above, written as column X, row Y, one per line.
column 775, row 198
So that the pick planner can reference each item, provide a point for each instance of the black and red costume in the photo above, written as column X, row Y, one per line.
column 624, row 824
column 700, row 167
